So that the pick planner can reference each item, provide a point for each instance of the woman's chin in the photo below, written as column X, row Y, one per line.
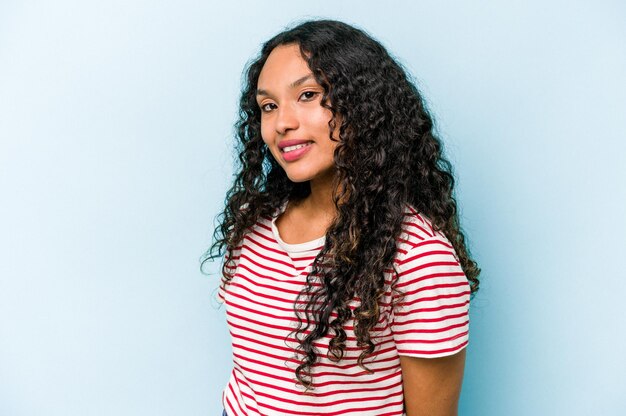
column 298, row 178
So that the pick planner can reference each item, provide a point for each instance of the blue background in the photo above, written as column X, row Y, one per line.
column 116, row 151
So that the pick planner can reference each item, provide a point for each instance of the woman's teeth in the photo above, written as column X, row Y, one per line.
column 296, row 147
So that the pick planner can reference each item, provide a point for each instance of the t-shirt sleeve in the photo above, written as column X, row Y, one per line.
column 430, row 311
column 221, row 291
column 230, row 268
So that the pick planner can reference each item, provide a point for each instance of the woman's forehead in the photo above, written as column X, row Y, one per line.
column 284, row 65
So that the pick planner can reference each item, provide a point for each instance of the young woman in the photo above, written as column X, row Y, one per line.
column 346, row 276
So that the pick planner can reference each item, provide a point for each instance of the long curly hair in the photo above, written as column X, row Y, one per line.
column 387, row 156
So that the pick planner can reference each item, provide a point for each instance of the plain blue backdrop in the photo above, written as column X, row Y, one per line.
column 116, row 151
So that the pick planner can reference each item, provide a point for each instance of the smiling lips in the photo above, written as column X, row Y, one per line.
column 294, row 149
column 288, row 145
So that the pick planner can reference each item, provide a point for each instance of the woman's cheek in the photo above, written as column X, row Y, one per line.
column 265, row 134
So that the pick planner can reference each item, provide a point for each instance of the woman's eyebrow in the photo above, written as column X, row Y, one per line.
column 294, row 84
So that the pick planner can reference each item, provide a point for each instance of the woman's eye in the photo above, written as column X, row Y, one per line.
column 310, row 94
column 265, row 108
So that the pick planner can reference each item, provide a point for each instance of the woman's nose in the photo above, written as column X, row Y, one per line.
column 287, row 119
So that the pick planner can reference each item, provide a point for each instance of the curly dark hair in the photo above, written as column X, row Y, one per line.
column 387, row 156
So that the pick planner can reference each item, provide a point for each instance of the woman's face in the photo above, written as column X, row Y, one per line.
column 294, row 125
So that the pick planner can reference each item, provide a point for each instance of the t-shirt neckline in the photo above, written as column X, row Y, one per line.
column 294, row 248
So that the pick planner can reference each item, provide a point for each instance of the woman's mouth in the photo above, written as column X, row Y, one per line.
column 296, row 151
column 296, row 147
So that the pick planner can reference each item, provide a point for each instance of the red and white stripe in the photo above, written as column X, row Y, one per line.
column 425, row 315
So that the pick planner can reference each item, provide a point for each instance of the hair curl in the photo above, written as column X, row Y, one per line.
column 387, row 156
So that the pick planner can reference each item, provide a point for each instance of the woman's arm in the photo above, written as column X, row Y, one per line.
column 432, row 385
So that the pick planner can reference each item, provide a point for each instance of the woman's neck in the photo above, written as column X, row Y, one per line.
column 320, row 200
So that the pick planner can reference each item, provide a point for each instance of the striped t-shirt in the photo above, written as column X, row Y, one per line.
column 430, row 320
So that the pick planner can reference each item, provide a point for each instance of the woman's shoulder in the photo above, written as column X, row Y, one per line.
column 417, row 230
